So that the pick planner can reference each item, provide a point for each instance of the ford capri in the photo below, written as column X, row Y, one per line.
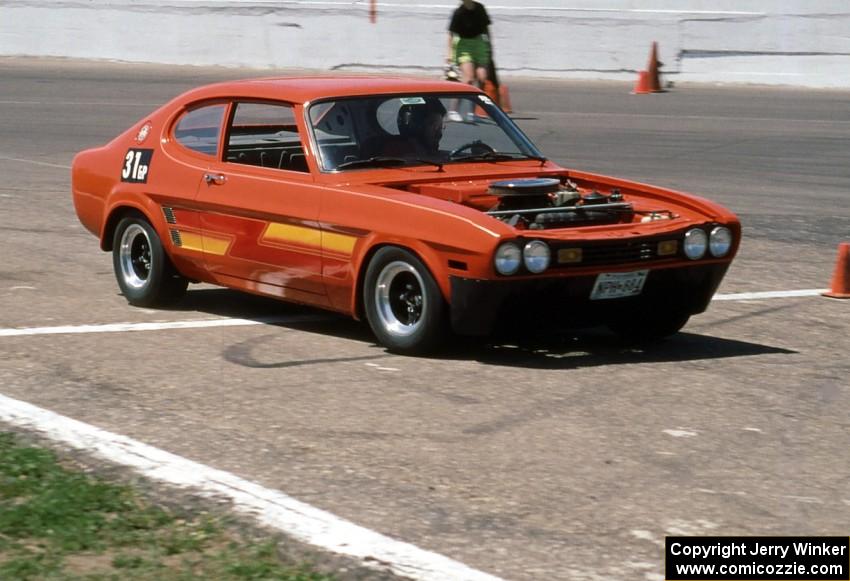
column 418, row 206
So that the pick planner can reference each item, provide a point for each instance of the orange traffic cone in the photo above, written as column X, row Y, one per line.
column 649, row 80
column 505, row 98
column 841, row 279
column 491, row 91
column 642, row 86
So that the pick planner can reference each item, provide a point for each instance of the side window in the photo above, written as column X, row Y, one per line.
column 265, row 134
column 199, row 129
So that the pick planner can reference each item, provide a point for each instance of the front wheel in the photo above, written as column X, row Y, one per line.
column 143, row 270
column 404, row 305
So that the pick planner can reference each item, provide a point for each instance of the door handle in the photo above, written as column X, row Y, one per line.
column 214, row 179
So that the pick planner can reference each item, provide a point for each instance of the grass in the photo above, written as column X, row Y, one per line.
column 61, row 524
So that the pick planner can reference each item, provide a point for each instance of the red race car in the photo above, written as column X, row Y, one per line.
column 417, row 205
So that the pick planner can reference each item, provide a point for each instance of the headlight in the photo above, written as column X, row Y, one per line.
column 536, row 256
column 508, row 258
column 720, row 241
column 696, row 242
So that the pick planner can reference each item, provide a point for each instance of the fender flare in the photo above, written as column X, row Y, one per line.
column 121, row 204
column 421, row 250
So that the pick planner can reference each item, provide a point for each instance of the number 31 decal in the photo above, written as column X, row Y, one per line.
column 137, row 163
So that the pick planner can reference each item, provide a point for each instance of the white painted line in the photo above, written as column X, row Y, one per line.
column 812, row 292
column 273, row 508
column 804, row 499
column 681, row 433
column 490, row 7
column 680, row 118
column 160, row 326
column 152, row 104
column 206, row 323
column 644, row 536
column 33, row 162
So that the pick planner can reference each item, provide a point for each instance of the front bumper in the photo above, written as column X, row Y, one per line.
column 481, row 306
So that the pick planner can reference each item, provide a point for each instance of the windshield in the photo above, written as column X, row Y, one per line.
column 415, row 129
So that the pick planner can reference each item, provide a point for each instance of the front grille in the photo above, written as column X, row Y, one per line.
column 621, row 252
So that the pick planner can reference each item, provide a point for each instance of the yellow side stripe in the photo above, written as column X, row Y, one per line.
column 341, row 243
column 208, row 244
column 217, row 246
column 288, row 233
column 191, row 241
column 275, row 232
column 331, row 241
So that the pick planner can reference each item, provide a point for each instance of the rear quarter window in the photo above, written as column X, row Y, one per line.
column 200, row 129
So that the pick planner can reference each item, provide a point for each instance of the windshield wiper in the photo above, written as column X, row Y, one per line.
column 498, row 156
column 386, row 161
column 375, row 161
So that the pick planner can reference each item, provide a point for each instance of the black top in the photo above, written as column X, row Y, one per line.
column 469, row 23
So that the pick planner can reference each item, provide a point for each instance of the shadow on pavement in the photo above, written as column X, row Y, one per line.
column 595, row 347
column 561, row 350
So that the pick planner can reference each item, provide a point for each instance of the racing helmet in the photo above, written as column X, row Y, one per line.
column 412, row 116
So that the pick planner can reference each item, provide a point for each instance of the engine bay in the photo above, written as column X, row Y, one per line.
column 543, row 203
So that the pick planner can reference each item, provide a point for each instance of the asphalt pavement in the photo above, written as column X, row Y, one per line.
column 553, row 457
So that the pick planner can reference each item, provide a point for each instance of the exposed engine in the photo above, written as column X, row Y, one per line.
column 542, row 203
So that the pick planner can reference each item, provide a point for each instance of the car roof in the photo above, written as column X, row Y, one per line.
column 305, row 89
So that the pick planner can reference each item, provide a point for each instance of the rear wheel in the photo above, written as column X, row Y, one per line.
column 404, row 305
column 143, row 270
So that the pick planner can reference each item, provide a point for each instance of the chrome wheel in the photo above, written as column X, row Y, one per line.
column 403, row 303
column 400, row 298
column 142, row 268
column 135, row 256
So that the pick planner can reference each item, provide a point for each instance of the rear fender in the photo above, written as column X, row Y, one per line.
column 122, row 204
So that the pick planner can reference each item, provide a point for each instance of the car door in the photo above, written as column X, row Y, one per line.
column 193, row 146
column 259, row 207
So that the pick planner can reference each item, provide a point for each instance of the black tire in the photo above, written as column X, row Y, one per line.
column 650, row 326
column 404, row 305
column 142, row 268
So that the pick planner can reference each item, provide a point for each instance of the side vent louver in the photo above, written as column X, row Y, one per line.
column 169, row 215
column 175, row 237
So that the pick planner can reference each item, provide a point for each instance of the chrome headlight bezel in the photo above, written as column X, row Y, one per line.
column 720, row 241
column 507, row 259
column 695, row 243
column 536, row 256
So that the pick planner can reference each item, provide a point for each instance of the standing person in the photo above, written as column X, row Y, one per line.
column 469, row 41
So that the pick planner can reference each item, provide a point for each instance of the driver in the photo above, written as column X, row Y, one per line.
column 421, row 125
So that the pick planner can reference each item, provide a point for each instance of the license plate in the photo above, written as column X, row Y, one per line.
column 616, row 285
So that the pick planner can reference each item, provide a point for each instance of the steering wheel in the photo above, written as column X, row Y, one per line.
column 470, row 146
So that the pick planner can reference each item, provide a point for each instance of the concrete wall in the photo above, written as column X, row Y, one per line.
column 794, row 42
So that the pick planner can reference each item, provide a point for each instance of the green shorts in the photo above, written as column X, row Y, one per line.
column 472, row 50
